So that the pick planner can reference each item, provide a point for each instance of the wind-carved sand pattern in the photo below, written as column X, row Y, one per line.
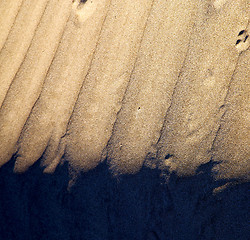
column 155, row 82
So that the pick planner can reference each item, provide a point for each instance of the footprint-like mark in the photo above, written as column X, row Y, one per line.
column 242, row 43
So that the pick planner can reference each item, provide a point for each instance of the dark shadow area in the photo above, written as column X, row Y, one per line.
column 143, row 206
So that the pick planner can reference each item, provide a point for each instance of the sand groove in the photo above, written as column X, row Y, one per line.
column 51, row 114
column 18, row 42
column 104, row 87
column 149, row 93
column 232, row 142
column 27, row 84
column 9, row 10
column 194, row 117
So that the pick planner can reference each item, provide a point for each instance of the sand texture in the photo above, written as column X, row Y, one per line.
column 124, row 120
column 162, row 84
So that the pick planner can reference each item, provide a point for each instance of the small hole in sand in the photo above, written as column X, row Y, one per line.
column 139, row 108
column 168, row 156
column 238, row 41
column 246, row 38
column 241, row 32
column 83, row 1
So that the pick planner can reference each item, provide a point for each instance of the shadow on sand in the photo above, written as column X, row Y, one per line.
column 98, row 206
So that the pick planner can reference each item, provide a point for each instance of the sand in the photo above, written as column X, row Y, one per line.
column 161, row 83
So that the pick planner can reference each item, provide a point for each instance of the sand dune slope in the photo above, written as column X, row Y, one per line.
column 161, row 83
